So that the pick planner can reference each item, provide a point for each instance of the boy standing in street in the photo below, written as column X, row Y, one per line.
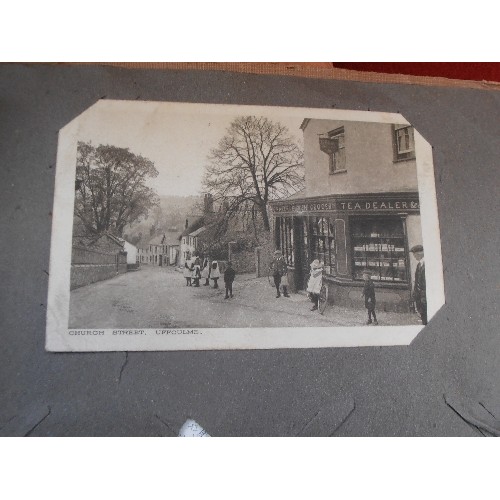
column 229, row 275
column 369, row 295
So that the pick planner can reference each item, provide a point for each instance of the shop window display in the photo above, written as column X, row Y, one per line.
column 379, row 246
column 286, row 239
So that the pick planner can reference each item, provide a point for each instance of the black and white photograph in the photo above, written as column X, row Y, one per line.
column 335, row 215
column 195, row 226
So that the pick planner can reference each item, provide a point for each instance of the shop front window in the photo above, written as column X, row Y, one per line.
column 322, row 241
column 378, row 245
column 286, row 239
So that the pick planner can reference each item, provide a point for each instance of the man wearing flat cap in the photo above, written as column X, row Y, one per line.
column 279, row 268
column 419, row 287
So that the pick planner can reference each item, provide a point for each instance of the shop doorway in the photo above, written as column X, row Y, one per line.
column 314, row 238
column 302, row 252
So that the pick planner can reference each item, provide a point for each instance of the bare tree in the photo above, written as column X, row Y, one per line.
column 257, row 160
column 111, row 191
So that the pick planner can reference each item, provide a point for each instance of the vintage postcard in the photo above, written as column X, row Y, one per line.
column 180, row 226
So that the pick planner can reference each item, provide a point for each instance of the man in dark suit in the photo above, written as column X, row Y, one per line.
column 419, row 294
column 229, row 275
column 280, row 273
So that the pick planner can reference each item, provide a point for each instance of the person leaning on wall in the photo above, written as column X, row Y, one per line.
column 419, row 292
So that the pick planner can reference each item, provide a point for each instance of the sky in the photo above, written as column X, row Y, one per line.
column 177, row 137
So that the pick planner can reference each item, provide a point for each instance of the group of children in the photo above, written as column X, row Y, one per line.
column 195, row 270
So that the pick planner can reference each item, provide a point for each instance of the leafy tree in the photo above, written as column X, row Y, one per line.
column 112, row 190
column 257, row 160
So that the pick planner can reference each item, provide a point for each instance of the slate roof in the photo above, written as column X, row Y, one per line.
column 92, row 240
column 156, row 240
column 193, row 227
column 198, row 231
column 171, row 239
column 163, row 239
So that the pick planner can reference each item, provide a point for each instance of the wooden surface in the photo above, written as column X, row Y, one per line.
column 322, row 70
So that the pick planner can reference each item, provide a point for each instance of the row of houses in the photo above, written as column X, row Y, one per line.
column 173, row 248
column 162, row 250
column 99, row 257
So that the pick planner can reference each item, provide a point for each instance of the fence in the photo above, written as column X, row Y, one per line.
column 89, row 265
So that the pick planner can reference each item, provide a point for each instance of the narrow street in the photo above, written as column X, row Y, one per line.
column 157, row 297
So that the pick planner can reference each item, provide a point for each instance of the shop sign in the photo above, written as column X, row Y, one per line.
column 351, row 205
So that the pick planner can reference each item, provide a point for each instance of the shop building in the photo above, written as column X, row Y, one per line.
column 359, row 210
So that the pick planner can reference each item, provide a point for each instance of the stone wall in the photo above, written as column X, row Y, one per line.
column 82, row 275
column 255, row 261
column 89, row 266
column 243, row 262
column 263, row 256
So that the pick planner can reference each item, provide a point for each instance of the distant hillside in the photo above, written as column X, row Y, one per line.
column 171, row 214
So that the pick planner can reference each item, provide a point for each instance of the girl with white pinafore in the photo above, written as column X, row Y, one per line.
column 205, row 271
column 215, row 273
column 187, row 272
column 196, row 272
column 315, row 282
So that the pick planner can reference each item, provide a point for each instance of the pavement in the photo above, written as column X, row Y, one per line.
column 157, row 297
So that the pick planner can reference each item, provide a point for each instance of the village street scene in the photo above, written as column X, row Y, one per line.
column 157, row 298
column 245, row 221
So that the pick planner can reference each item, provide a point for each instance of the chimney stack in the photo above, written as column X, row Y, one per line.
column 208, row 203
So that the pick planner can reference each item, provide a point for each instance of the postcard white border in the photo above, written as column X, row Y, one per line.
column 60, row 338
